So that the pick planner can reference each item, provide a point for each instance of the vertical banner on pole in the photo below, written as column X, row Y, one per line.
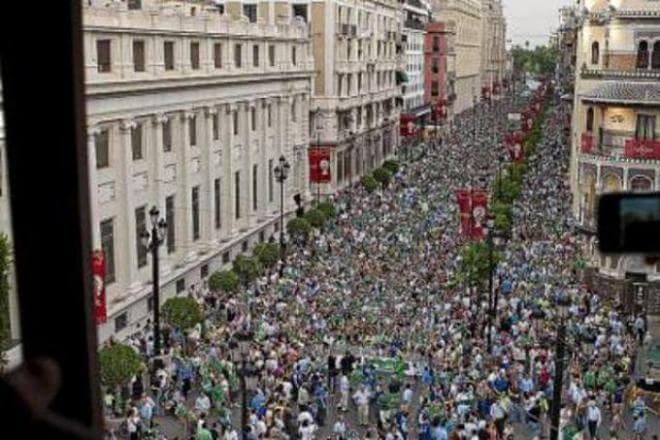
column 98, row 274
column 465, row 209
column 319, row 165
column 479, row 213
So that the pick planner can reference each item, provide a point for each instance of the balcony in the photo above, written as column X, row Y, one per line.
column 414, row 24
column 621, row 74
column 587, row 143
column 620, row 146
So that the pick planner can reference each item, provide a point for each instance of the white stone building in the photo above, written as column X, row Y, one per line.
column 189, row 110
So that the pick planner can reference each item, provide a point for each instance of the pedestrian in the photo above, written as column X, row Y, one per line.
column 593, row 419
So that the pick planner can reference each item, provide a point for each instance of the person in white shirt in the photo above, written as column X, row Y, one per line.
column 339, row 429
column 344, row 389
column 307, row 431
column 361, row 398
column 202, row 404
column 593, row 419
column 231, row 434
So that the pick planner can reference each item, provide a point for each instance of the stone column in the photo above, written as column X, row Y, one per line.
column 158, row 178
column 92, row 132
column 207, row 193
column 625, row 179
column 184, row 231
column 127, row 235
column 249, row 161
column 229, row 219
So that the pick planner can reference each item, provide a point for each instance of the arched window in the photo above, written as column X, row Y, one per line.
column 595, row 53
column 655, row 60
column 640, row 183
column 643, row 55
column 590, row 119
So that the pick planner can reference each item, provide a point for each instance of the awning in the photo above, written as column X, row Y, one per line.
column 417, row 112
column 640, row 93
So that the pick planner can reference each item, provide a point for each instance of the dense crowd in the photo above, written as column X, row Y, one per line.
column 366, row 334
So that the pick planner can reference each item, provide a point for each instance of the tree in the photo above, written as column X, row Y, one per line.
column 118, row 364
column 268, row 254
column 327, row 208
column 226, row 281
column 382, row 176
column 370, row 184
column 298, row 227
column 315, row 217
column 247, row 268
column 392, row 166
column 182, row 312
column 4, row 291
column 474, row 268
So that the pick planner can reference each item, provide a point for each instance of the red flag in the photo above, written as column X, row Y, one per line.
column 319, row 165
column 465, row 209
column 98, row 276
column 587, row 143
column 479, row 214
column 641, row 149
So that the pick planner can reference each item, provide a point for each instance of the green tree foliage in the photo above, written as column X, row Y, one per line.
column 315, row 217
column 4, row 291
column 247, row 268
column 370, row 184
column 382, row 176
column 474, row 268
column 182, row 312
column 327, row 208
column 224, row 281
column 267, row 253
column 298, row 227
column 392, row 166
column 538, row 61
column 118, row 364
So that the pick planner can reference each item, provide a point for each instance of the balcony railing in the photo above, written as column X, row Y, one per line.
column 414, row 24
column 587, row 143
column 620, row 146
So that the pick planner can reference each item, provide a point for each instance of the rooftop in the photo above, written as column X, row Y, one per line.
column 641, row 93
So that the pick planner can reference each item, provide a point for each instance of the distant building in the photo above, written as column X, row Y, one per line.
column 493, row 49
column 439, row 71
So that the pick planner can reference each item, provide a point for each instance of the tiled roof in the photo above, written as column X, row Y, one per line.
column 647, row 93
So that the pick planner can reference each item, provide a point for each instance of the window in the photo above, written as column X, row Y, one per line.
column 171, row 227
column 103, row 56
column 136, row 142
column 435, row 68
column 204, row 271
column 237, row 194
column 436, row 43
column 270, row 115
column 108, row 246
column 595, row 52
column 250, row 11
column 590, row 119
column 150, row 304
column 300, row 11
column 216, row 203
column 225, row 258
column 217, row 55
column 339, row 84
column 121, row 322
column 134, row 4
column 195, row 212
column 655, row 60
column 138, row 56
column 262, row 236
column 255, row 187
column 180, row 285
column 293, row 110
column 168, row 55
column 645, row 127
column 294, row 61
column 434, row 88
column 244, row 246
column 271, row 55
column 192, row 129
column 194, row 55
column 255, row 55
column 253, row 118
column 235, row 122
column 215, row 126
column 102, row 143
column 167, row 136
column 270, row 180
column 238, row 60
column 140, row 228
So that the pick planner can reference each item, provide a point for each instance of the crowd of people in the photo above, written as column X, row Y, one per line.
column 368, row 335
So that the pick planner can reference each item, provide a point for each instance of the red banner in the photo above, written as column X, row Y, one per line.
column 479, row 214
column 465, row 209
column 319, row 165
column 587, row 143
column 98, row 276
column 642, row 149
column 513, row 143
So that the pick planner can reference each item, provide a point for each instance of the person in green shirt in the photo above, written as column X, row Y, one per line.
column 203, row 433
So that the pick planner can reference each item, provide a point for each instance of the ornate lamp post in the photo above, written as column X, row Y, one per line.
column 494, row 239
column 281, row 173
column 562, row 305
column 152, row 241
column 241, row 353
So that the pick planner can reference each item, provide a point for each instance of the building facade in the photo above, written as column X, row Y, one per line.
column 566, row 49
column 493, row 52
column 415, row 111
column 354, row 110
column 189, row 108
column 467, row 18
column 439, row 71
column 615, row 130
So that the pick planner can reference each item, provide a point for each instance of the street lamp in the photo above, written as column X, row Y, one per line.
column 152, row 241
column 281, row 173
column 562, row 304
column 494, row 239
column 241, row 352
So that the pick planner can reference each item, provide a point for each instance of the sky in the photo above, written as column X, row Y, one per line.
column 532, row 20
